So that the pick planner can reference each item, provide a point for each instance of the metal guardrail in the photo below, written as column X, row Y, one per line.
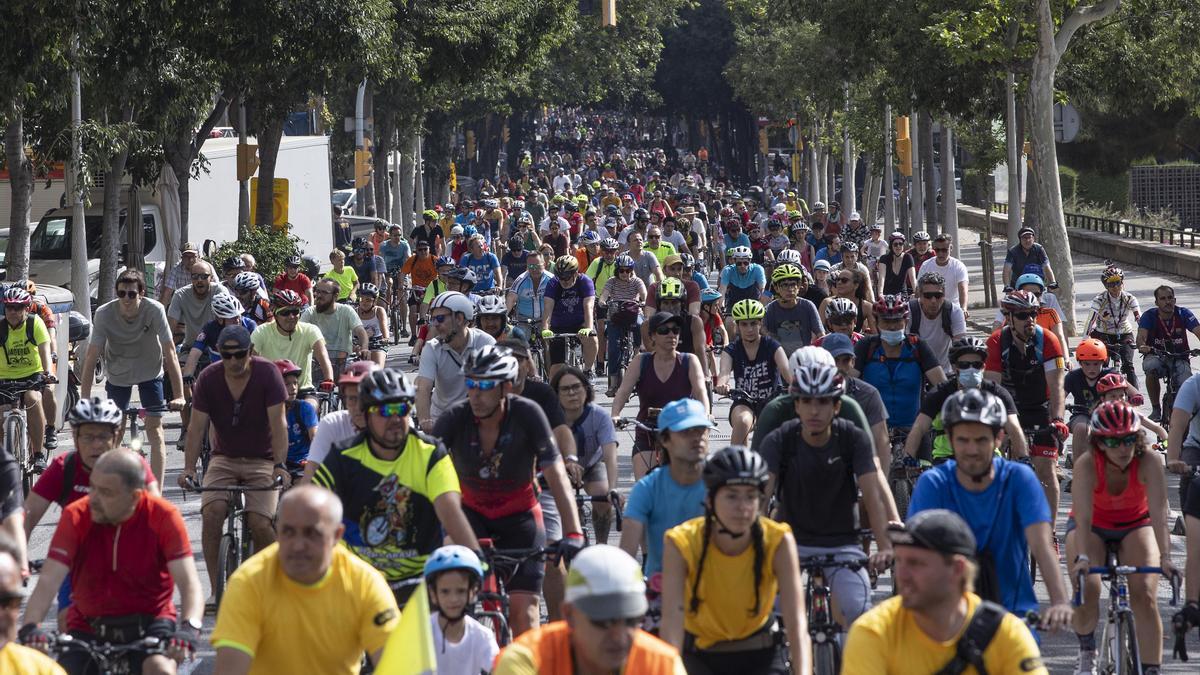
column 1170, row 236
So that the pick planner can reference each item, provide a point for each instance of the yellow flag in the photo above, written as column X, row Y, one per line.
column 409, row 649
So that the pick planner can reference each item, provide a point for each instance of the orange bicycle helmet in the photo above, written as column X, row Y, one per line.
column 1091, row 349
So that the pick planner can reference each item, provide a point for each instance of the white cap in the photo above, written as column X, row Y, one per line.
column 606, row 583
column 854, row 216
column 780, row 208
column 457, row 229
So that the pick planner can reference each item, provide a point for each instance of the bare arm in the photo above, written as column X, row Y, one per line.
column 448, row 507
column 53, row 573
column 89, row 370
column 560, row 487
column 35, row 507
column 937, row 376
column 1016, row 437
column 277, row 418
column 14, row 526
column 171, row 365
column 1057, row 405
column 322, row 356
column 197, row 427
column 183, row 572
column 912, row 443
column 632, row 535
column 696, row 375
column 425, row 402
column 628, row 382
column 881, row 508
column 232, row 661
column 674, row 576
column 781, row 365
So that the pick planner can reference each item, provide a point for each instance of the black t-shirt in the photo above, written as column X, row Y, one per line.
column 935, row 398
column 429, row 234
column 543, row 395
column 818, row 487
column 1082, row 394
column 868, row 398
column 815, row 294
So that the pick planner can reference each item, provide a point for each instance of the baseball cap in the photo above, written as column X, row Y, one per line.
column 673, row 259
column 686, row 413
column 236, row 333
column 838, row 345
column 188, row 247
column 606, row 583
column 822, row 265
column 660, row 318
column 936, row 530
column 855, row 216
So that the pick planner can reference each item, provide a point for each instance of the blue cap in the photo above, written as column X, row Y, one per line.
column 686, row 413
column 838, row 344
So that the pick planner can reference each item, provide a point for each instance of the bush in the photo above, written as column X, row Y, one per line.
column 1068, row 180
column 1108, row 191
column 270, row 249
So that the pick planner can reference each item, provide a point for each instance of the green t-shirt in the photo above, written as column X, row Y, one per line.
column 781, row 409
column 269, row 343
column 337, row 326
column 600, row 271
column 20, row 358
column 346, row 280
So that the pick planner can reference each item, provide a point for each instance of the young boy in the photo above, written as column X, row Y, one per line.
column 463, row 645
column 1080, row 385
column 301, row 419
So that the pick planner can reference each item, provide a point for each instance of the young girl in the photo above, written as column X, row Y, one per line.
column 301, row 419
column 464, row 647
column 722, row 571
column 374, row 321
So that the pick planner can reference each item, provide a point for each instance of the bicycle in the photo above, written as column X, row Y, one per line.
column 493, row 600
column 16, row 439
column 236, row 542
column 584, row 502
column 1117, row 649
column 1171, row 389
column 530, row 331
column 328, row 402
column 136, row 436
column 904, row 471
column 650, row 429
column 107, row 658
column 822, row 627
column 574, row 355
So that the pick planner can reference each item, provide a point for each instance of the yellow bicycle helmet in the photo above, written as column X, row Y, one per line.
column 786, row 272
column 670, row 289
column 748, row 309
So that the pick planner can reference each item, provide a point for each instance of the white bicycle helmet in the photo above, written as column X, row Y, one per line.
column 96, row 410
column 840, row 307
column 817, row 381
column 810, row 355
column 457, row 303
column 788, row 255
column 491, row 363
column 225, row 306
column 740, row 253
column 490, row 305
column 245, row 282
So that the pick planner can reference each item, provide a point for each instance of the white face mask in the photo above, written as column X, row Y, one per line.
column 971, row 378
column 892, row 337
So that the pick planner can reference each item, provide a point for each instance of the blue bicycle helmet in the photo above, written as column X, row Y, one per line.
column 453, row 557
column 445, row 260
column 1031, row 279
column 470, row 231
column 709, row 295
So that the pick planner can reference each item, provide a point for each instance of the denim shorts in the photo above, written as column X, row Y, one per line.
column 150, row 392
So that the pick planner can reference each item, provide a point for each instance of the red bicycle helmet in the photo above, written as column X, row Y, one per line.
column 286, row 367
column 287, row 298
column 355, row 372
column 1110, row 382
column 1116, row 418
column 890, row 307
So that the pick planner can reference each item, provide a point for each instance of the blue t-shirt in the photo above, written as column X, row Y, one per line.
column 1188, row 399
column 742, row 240
column 998, row 516
column 568, row 303
column 482, row 267
column 206, row 339
column 659, row 503
column 394, row 256
column 300, row 418
column 1168, row 335
column 754, row 276
column 701, row 279
column 826, row 254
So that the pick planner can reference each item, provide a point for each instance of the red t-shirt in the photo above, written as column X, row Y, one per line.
column 300, row 284
column 119, row 570
column 240, row 428
column 50, row 485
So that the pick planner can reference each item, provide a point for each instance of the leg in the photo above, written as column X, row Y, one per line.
column 588, row 345
column 553, row 587
column 50, row 408
column 36, row 425
column 1044, row 467
column 1139, row 547
column 602, row 345
column 742, row 419
column 524, row 611
column 1079, row 435
column 1086, row 614
column 261, row 530
column 601, row 511
column 1153, row 387
column 158, row 664
column 158, row 449
column 1127, row 367
column 1192, row 569
column 643, row 461
column 212, row 522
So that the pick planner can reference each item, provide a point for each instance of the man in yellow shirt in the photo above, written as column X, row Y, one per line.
column 304, row 604
column 918, row 631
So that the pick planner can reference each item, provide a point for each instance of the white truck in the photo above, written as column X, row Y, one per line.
column 212, row 211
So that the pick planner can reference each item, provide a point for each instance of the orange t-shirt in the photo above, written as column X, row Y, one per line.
column 423, row 270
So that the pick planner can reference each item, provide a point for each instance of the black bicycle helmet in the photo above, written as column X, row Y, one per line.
column 968, row 345
column 973, row 405
column 386, row 385
column 735, row 465
column 233, row 262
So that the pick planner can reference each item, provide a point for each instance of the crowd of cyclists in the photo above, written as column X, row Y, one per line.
column 872, row 435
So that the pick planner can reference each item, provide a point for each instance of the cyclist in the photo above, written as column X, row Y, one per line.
column 15, row 657
column 922, row 628
column 1115, row 315
column 306, row 575
column 840, row 317
column 850, row 261
column 453, row 575
column 673, row 269
column 742, row 279
column 374, row 322
column 245, row 287
column 339, row 324
column 126, row 550
column 1166, row 331
column 429, row 232
column 623, row 296
column 341, row 425
column 345, row 279
column 714, row 327
column 723, row 598
column 922, row 248
column 1080, row 385
column 1001, row 503
column 568, row 307
column 939, row 323
column 593, row 464
column 605, row 603
column 492, row 317
column 440, row 381
column 818, row 464
column 1048, row 318
column 1024, row 257
column 300, row 417
column 1120, row 493
column 671, row 298
column 301, row 343
column 525, row 296
column 227, row 311
column 759, row 367
column 49, row 402
column 422, row 269
column 849, row 285
column 967, row 357
column 660, row 376
column 292, row 279
column 398, row 486
column 498, row 441
column 362, row 261
column 789, row 318
column 896, row 270
column 485, row 264
column 1027, row 360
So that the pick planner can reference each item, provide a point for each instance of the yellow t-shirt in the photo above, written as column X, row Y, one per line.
column 346, row 280
column 663, row 250
column 18, row 356
column 724, row 613
column 288, row 627
column 15, row 658
column 887, row 640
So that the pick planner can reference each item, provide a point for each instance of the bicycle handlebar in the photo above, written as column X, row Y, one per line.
column 195, row 487
column 624, row 422
column 612, row 498
column 819, row 562
column 1109, row 571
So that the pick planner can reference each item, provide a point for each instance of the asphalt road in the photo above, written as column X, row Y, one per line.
column 1058, row 650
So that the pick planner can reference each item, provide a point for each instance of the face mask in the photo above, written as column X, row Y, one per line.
column 892, row 337
column 970, row 379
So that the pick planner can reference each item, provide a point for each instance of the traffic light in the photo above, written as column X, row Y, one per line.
column 362, row 168
column 903, row 146
column 247, row 161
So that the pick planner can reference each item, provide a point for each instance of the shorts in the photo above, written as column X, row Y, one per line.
column 1108, row 535
column 415, row 296
column 557, row 347
column 520, row 530
column 249, row 471
column 150, row 392
column 80, row 662
column 596, row 473
column 1044, row 443
column 551, row 521
column 1156, row 366
column 755, row 407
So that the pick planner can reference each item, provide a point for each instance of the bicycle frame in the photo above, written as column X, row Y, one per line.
column 107, row 658
column 493, row 593
column 822, row 627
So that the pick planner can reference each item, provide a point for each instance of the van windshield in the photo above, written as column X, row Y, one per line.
column 51, row 239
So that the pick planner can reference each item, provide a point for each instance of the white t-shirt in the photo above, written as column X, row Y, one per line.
column 955, row 272
column 676, row 238
column 561, row 182
column 333, row 428
column 563, row 226
column 932, row 333
column 443, row 366
column 470, row 656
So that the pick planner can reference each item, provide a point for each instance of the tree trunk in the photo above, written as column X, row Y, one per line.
column 135, row 257
column 110, row 237
column 929, row 172
column 180, row 150
column 405, row 194
column 870, row 193
column 1012, row 135
column 269, row 135
column 384, row 126
column 949, row 202
column 814, row 170
column 394, row 215
column 418, row 173
column 20, row 172
column 916, row 193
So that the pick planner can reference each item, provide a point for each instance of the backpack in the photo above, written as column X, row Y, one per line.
column 968, row 651
column 914, row 310
column 4, row 335
column 70, row 464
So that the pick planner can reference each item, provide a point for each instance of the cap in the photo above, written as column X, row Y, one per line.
column 673, row 259
column 519, row 348
column 855, row 216
column 838, row 345
column 660, row 318
column 188, row 247
column 606, row 583
column 822, row 265
column 937, row 530
column 686, row 413
column 236, row 333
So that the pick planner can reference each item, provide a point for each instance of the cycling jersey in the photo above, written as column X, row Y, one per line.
column 731, row 242
column 569, row 303
column 388, row 505
column 900, row 379
column 1113, row 315
column 1171, row 334
column 432, row 290
column 422, row 269
column 753, row 278
column 931, row 407
column 547, row 651
column 1128, row 509
column 818, row 487
column 727, row 597
column 499, row 482
column 529, row 295
column 600, row 271
column 20, row 353
column 514, row 264
column 757, row 377
column 1023, row 374
column 52, row 484
column 258, row 311
column 120, row 570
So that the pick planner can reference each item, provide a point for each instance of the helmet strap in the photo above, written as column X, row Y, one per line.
column 721, row 529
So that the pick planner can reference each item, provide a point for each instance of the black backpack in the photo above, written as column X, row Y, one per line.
column 968, row 651
column 4, row 335
column 914, row 310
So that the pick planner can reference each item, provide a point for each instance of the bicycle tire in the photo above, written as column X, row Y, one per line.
column 227, row 563
column 495, row 622
column 247, row 542
column 1128, row 661
column 826, row 659
column 901, row 492
column 18, row 445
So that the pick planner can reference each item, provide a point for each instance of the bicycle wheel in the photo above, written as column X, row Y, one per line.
column 1128, row 661
column 247, row 541
column 18, row 445
column 826, row 659
column 495, row 622
column 227, row 563
column 901, row 492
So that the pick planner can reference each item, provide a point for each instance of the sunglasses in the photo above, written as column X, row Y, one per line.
column 1113, row 284
column 287, row 312
column 841, row 280
column 933, row 296
column 941, row 250
column 14, row 307
column 968, row 365
column 128, row 294
column 239, row 354
column 667, row 330
column 482, row 385
column 400, row 409
column 1022, row 316
column 1117, row 441
column 743, row 263
column 197, row 277
column 808, row 400
column 439, row 318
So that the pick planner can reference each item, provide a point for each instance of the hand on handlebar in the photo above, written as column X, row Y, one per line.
column 182, row 644
column 187, row 480
column 327, row 386
column 1058, row 617
column 282, row 477
column 1061, row 429
column 32, row 636
column 881, row 561
column 1177, row 466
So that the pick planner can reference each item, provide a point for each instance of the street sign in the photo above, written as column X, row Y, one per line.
column 1066, row 123
column 793, row 135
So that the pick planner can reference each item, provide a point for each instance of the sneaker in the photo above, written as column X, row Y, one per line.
column 51, row 442
column 39, row 462
column 412, row 340
column 1155, row 415
column 610, row 392
column 599, row 369
column 210, row 605
column 403, row 332
column 1085, row 664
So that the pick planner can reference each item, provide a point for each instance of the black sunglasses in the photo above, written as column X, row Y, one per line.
column 288, row 312
column 667, row 330
column 1023, row 316
column 968, row 365
column 240, row 354
column 128, row 294
column 933, row 296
